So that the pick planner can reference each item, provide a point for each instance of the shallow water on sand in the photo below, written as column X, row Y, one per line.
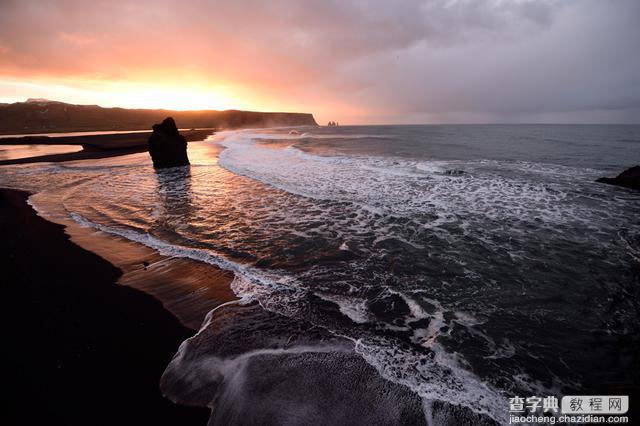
column 13, row 152
column 467, row 263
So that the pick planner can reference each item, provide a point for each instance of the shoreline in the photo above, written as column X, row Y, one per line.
column 84, row 350
column 188, row 289
column 94, row 146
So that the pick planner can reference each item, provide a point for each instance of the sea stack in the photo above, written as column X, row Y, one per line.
column 630, row 178
column 167, row 147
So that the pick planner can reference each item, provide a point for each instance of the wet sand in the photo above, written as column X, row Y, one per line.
column 78, row 348
column 186, row 288
column 94, row 146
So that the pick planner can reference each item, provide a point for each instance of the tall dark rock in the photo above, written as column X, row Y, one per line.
column 630, row 178
column 167, row 147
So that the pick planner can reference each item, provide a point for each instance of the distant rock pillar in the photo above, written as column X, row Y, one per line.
column 167, row 147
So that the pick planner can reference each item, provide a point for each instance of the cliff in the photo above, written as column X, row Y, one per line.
column 44, row 116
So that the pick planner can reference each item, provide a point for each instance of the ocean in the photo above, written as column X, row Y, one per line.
column 467, row 264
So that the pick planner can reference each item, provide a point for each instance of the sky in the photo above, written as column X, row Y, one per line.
column 354, row 61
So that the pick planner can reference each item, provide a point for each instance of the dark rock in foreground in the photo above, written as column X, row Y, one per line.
column 630, row 178
column 167, row 147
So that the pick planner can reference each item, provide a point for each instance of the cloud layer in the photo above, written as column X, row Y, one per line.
column 351, row 60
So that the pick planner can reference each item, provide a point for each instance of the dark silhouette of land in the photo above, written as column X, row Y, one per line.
column 78, row 349
column 43, row 116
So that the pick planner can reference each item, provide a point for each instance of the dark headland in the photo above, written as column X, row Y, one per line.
column 77, row 348
column 44, row 116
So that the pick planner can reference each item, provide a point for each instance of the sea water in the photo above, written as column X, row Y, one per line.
column 469, row 263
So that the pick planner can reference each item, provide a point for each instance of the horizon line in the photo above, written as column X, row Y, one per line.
column 480, row 123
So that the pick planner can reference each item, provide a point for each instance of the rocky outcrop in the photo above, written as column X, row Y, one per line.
column 630, row 178
column 167, row 147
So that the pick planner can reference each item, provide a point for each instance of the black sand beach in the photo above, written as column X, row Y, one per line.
column 78, row 349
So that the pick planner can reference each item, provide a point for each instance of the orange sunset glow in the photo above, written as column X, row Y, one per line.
column 120, row 54
column 305, row 212
column 355, row 62
column 135, row 94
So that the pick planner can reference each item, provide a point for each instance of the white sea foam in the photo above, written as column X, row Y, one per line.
column 440, row 378
column 490, row 190
column 250, row 282
column 489, row 200
column 355, row 310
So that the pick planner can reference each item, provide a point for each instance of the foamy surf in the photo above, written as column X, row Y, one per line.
column 454, row 275
column 441, row 378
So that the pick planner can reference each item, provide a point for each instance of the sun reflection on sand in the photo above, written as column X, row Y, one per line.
column 13, row 152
